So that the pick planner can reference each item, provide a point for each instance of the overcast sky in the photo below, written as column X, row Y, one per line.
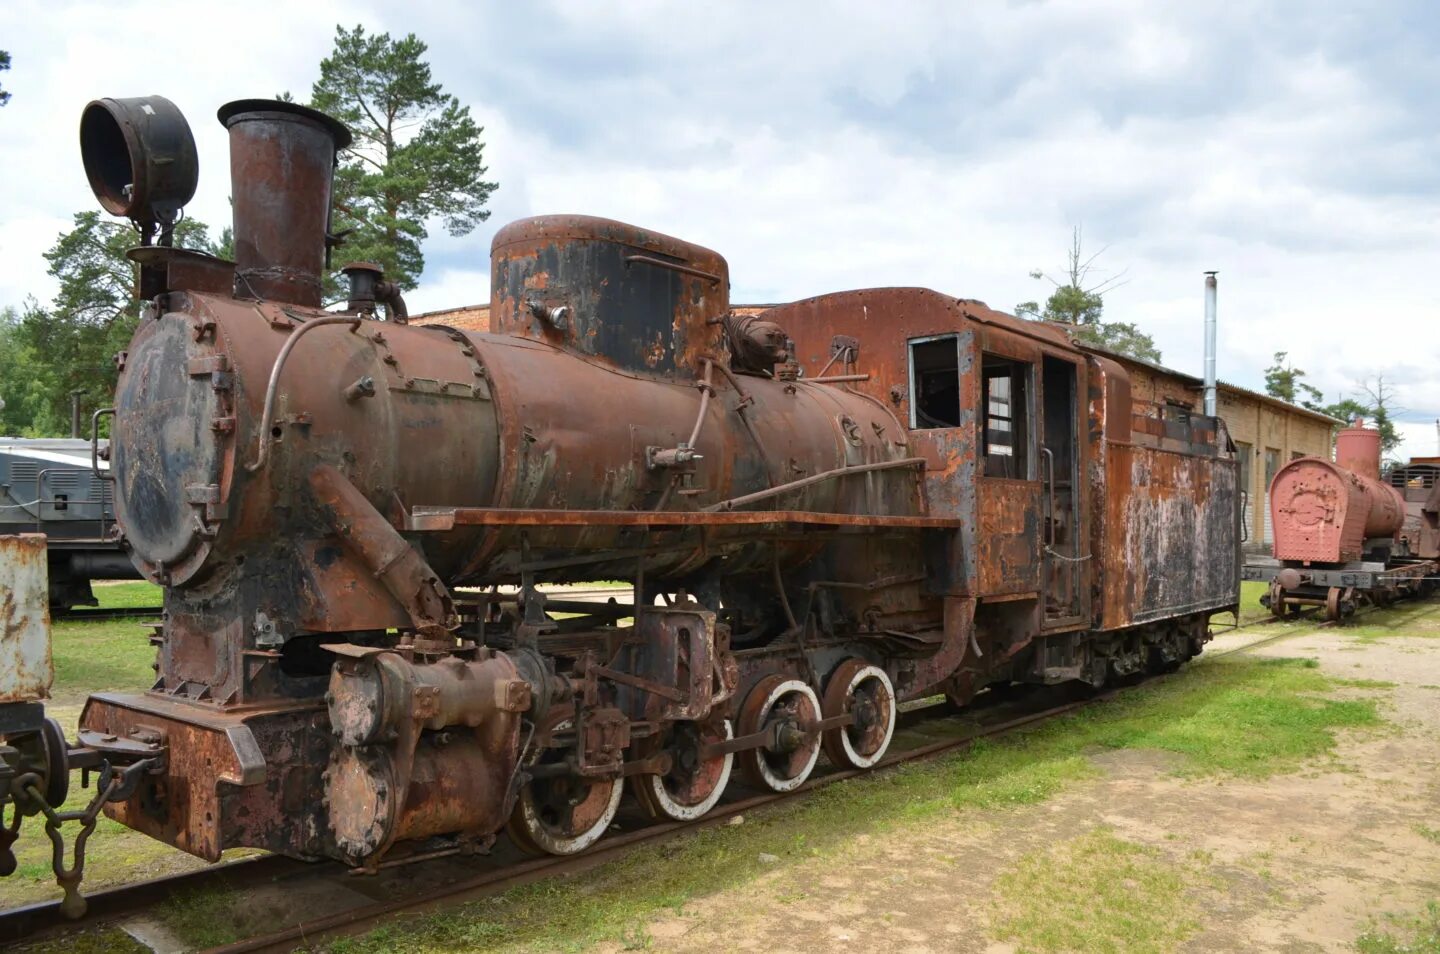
column 1295, row 147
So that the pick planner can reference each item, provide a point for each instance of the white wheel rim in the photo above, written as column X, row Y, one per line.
column 675, row 810
column 866, row 761
column 773, row 781
column 555, row 844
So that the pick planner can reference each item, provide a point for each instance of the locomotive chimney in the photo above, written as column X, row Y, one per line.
column 282, row 163
column 1211, row 404
column 1357, row 449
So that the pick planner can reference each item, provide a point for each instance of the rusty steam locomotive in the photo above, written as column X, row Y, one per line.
column 824, row 510
column 1341, row 535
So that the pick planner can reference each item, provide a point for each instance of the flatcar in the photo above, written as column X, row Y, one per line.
column 824, row 511
column 51, row 486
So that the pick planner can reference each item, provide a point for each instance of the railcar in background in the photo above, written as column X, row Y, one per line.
column 51, row 486
column 1418, row 482
column 1342, row 534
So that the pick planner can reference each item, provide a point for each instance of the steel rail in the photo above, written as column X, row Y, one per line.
column 39, row 919
column 42, row 919
column 107, row 612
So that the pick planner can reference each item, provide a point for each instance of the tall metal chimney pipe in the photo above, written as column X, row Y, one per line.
column 282, row 164
column 1211, row 400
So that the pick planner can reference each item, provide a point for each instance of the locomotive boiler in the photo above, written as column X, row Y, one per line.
column 822, row 511
column 1337, row 533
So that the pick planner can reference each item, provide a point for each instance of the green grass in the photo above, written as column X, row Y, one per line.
column 207, row 918
column 1419, row 618
column 122, row 595
column 104, row 655
column 1415, row 935
column 1365, row 683
column 1096, row 893
column 99, row 656
column 1250, row 609
column 1237, row 716
column 1428, row 833
column 96, row 941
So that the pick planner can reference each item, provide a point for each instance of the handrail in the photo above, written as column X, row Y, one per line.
column 267, row 417
column 95, row 447
column 1048, row 536
column 784, row 488
column 711, row 277
column 705, row 391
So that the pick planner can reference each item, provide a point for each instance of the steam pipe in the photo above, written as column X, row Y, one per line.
column 824, row 475
column 705, row 391
column 1211, row 402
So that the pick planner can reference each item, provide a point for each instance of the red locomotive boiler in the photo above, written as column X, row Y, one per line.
column 823, row 511
column 1337, row 532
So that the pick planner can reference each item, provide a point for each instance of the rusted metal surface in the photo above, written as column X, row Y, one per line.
column 921, row 495
column 1009, row 541
column 430, row 519
column 1171, row 536
column 25, row 667
column 1357, row 449
column 637, row 299
column 1342, row 535
column 282, row 158
column 1324, row 512
column 140, row 158
column 1419, row 483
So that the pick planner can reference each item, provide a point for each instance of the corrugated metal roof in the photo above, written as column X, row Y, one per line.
column 1267, row 399
column 1222, row 385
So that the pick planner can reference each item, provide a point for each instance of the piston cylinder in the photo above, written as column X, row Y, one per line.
column 457, row 783
column 372, row 697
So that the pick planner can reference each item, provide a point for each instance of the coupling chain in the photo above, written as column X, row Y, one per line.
column 113, row 785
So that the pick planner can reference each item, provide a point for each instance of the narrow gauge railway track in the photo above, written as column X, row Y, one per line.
column 361, row 920
column 507, row 868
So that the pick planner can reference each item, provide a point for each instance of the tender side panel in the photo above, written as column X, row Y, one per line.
column 1171, row 543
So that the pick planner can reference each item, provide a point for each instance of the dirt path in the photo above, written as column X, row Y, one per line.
column 1300, row 862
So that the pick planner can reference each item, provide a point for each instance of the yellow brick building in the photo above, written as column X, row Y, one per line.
column 1268, row 433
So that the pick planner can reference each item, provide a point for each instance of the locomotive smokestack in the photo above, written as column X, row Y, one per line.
column 1357, row 449
column 282, row 163
column 1211, row 402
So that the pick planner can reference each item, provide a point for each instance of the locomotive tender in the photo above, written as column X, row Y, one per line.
column 824, row 511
